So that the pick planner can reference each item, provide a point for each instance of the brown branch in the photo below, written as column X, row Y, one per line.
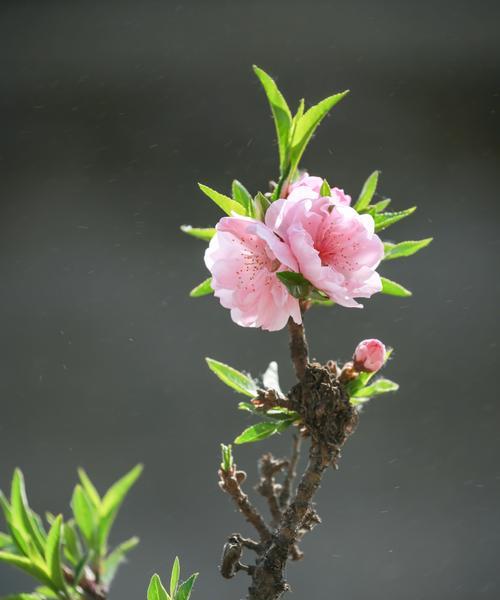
column 291, row 471
column 268, row 487
column 229, row 482
column 299, row 350
column 87, row 583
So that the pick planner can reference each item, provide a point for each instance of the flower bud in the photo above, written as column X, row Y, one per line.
column 369, row 356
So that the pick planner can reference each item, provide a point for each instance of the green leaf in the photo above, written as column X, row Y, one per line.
column 381, row 386
column 392, row 288
column 80, row 567
column 307, row 125
column 53, row 553
column 367, row 192
column 24, row 597
column 202, row 289
column 296, row 283
column 116, row 558
column 233, row 378
column 281, row 114
column 202, row 233
column 5, row 540
column 156, row 591
column 21, row 515
column 384, row 220
column 242, row 195
column 363, row 378
column 227, row 204
column 325, row 190
column 26, row 565
column 89, row 487
column 403, row 249
column 379, row 206
column 72, row 546
column 85, row 515
column 261, row 204
column 271, row 379
column 112, row 501
column 227, row 458
column 184, row 591
column 257, row 432
column 174, row 577
column 248, row 407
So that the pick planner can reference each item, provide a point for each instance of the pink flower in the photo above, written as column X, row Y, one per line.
column 243, row 257
column 309, row 186
column 336, row 249
column 369, row 356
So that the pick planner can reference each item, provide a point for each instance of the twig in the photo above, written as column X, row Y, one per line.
column 87, row 583
column 291, row 472
column 228, row 482
column 267, row 486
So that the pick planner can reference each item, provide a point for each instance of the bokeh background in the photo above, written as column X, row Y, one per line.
column 110, row 112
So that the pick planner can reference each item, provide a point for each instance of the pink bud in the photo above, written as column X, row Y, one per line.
column 369, row 356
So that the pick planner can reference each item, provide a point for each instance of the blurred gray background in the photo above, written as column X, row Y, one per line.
column 110, row 112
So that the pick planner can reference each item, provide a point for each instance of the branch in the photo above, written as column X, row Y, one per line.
column 229, row 482
column 88, row 584
column 299, row 350
column 291, row 471
column 267, row 487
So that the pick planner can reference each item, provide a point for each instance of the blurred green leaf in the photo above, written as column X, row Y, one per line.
column 295, row 283
column 85, row 515
column 72, row 546
column 248, row 407
column 202, row 233
column 53, row 554
column 261, row 203
column 367, row 192
column 202, row 289
column 325, row 190
column 257, row 432
column 307, row 125
column 242, row 195
column 233, row 378
column 88, row 486
column 5, row 540
column 403, row 249
column 392, row 288
column 117, row 558
column 384, row 220
column 156, row 591
column 227, row 459
column 25, row 564
column 379, row 206
column 185, row 589
column 227, row 204
column 281, row 114
column 381, row 386
column 112, row 501
column 21, row 515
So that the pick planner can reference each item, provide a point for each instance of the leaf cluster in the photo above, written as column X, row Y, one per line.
column 178, row 590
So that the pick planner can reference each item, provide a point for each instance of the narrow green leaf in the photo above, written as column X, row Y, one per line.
column 386, row 219
column 72, row 546
column 202, row 233
column 26, row 565
column 80, row 568
column 156, row 591
column 117, row 558
column 233, row 378
column 184, row 591
column 248, row 407
column 257, row 432
column 25, row 597
column 202, row 289
column 53, row 553
column 381, row 386
column 227, row 204
column 379, row 206
column 281, row 114
column 394, row 289
column 112, row 501
column 403, row 249
column 325, row 190
column 306, row 126
column 174, row 577
column 89, row 487
column 227, row 459
column 21, row 514
column 5, row 540
column 85, row 515
column 367, row 192
column 242, row 195
column 296, row 283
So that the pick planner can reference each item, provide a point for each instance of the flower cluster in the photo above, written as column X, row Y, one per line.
column 321, row 237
